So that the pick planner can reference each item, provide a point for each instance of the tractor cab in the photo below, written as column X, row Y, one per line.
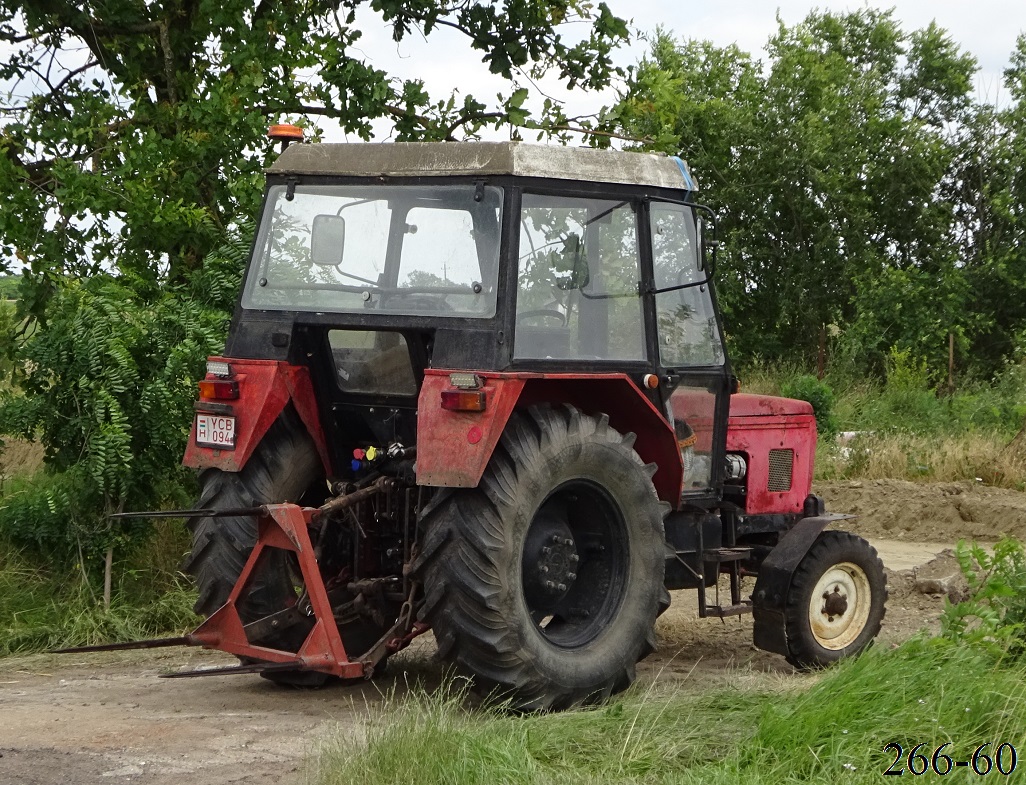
column 376, row 264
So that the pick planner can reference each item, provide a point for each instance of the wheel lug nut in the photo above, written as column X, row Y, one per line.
column 556, row 539
column 546, row 550
column 550, row 585
column 561, row 587
column 568, row 542
column 543, row 569
column 571, row 576
column 574, row 558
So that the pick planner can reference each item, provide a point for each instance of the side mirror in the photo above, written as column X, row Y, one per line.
column 327, row 240
column 708, row 246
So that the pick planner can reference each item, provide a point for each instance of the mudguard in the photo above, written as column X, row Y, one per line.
column 453, row 448
column 265, row 388
column 774, row 582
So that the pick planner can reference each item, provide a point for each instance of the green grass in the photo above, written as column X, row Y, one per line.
column 835, row 730
column 908, row 430
column 44, row 608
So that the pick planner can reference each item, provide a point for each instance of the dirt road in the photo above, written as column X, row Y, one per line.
column 102, row 719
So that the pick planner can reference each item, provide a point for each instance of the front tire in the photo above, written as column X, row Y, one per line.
column 544, row 583
column 836, row 602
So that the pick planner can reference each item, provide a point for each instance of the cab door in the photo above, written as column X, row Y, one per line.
column 690, row 350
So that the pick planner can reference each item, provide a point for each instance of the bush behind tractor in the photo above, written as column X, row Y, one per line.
column 482, row 389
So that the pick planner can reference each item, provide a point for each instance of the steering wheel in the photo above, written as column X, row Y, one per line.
column 547, row 313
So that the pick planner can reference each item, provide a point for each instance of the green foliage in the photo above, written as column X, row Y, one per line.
column 107, row 388
column 143, row 152
column 994, row 614
column 8, row 287
column 41, row 609
column 818, row 393
column 859, row 185
column 827, row 729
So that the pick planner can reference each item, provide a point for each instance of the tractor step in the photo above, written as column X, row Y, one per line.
column 721, row 611
column 720, row 555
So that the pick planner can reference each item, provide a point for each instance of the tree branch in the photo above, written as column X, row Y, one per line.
column 169, row 65
column 591, row 132
column 470, row 118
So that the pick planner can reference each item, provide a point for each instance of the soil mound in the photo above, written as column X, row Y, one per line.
column 936, row 512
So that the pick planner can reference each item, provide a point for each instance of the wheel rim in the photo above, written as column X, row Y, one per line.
column 839, row 606
column 574, row 564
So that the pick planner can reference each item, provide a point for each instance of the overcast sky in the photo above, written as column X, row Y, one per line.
column 986, row 28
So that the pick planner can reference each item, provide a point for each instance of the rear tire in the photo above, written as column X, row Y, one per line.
column 836, row 602
column 544, row 583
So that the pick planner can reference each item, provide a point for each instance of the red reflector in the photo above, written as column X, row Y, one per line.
column 219, row 389
column 463, row 400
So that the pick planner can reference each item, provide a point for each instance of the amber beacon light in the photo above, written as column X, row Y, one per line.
column 286, row 134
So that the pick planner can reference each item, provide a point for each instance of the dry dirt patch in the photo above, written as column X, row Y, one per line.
column 937, row 512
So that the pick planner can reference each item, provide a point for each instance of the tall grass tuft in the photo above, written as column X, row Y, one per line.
column 928, row 691
column 42, row 607
column 973, row 456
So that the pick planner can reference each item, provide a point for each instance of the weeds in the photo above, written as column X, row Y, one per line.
column 994, row 614
column 926, row 691
column 40, row 608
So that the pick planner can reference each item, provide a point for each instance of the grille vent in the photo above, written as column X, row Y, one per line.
column 781, row 464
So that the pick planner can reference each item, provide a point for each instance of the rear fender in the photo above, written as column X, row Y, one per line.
column 265, row 388
column 453, row 448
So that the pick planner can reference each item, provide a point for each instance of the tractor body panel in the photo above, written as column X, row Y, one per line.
column 262, row 390
column 455, row 445
column 776, row 437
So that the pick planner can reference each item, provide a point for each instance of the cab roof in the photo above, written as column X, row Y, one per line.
column 519, row 159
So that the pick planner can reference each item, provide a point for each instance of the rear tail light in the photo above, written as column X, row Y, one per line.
column 463, row 400
column 219, row 389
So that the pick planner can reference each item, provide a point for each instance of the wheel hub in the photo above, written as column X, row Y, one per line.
column 835, row 602
column 839, row 607
column 550, row 560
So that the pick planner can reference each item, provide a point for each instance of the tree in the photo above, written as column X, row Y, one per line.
column 134, row 132
column 827, row 166
column 988, row 185
column 131, row 157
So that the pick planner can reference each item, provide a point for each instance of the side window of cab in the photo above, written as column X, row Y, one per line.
column 686, row 319
column 578, row 294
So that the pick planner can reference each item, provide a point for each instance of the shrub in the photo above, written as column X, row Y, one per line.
column 994, row 614
column 816, row 392
column 107, row 387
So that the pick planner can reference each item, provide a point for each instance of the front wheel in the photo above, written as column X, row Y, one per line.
column 836, row 601
column 543, row 584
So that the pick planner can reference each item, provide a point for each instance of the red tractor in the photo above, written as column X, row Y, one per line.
column 491, row 380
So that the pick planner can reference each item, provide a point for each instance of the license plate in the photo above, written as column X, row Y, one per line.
column 214, row 430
